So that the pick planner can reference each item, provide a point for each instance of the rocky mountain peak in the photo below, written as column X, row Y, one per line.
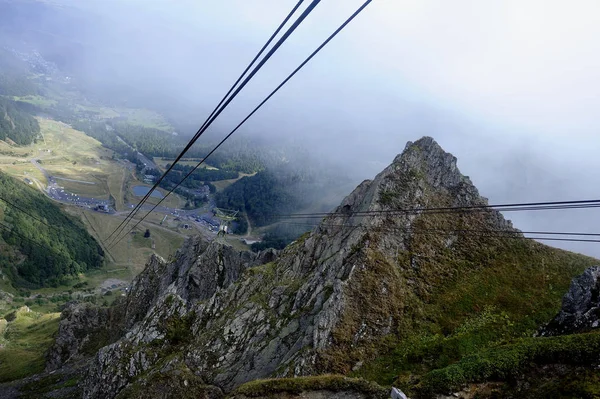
column 318, row 306
column 436, row 165
column 422, row 176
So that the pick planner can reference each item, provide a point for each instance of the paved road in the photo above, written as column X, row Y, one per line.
column 202, row 217
column 148, row 163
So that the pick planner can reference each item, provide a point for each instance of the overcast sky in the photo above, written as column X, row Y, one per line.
column 511, row 88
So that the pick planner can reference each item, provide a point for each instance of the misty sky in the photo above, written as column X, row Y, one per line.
column 511, row 88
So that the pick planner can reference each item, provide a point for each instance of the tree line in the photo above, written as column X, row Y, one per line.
column 261, row 197
column 42, row 254
column 199, row 176
column 16, row 124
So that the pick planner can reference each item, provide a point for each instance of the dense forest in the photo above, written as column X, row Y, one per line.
column 261, row 197
column 286, row 186
column 280, row 235
column 199, row 176
column 16, row 124
column 101, row 132
column 41, row 254
column 239, row 156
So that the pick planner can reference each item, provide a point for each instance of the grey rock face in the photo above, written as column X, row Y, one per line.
column 82, row 327
column 231, row 317
column 319, row 394
column 580, row 310
column 162, row 293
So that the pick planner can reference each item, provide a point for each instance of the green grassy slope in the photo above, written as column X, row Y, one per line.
column 441, row 290
column 17, row 125
column 47, row 249
column 25, row 339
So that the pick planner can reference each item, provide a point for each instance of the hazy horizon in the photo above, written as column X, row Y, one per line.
column 510, row 88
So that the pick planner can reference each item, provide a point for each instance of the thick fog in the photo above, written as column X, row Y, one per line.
column 511, row 88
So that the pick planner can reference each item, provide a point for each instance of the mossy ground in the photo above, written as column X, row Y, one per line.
column 487, row 294
column 512, row 361
column 179, row 382
column 56, row 385
column 26, row 340
column 451, row 294
column 333, row 383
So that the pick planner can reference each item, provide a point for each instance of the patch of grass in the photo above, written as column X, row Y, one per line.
column 144, row 117
column 480, row 293
column 84, row 187
column 527, row 280
column 101, row 112
column 27, row 338
column 556, row 382
column 178, row 383
column 129, row 253
column 140, row 241
column 96, row 277
column 178, row 330
column 116, row 182
column 163, row 162
column 503, row 362
column 40, row 101
column 172, row 201
column 333, row 383
column 423, row 352
column 223, row 184
column 71, row 382
column 70, row 155
column 49, row 383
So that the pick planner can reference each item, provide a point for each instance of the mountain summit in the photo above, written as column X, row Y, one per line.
column 377, row 273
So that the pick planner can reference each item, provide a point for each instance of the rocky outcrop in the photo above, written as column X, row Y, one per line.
column 85, row 328
column 230, row 317
column 81, row 332
column 317, row 394
column 326, row 386
column 171, row 381
column 580, row 310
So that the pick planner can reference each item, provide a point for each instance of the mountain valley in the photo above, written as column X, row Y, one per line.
column 382, row 298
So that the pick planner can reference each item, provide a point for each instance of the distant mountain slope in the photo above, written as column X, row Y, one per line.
column 380, row 296
column 14, row 76
column 35, row 254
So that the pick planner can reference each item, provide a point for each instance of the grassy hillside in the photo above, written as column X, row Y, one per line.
column 16, row 124
column 296, row 386
column 133, row 251
column 87, row 168
column 25, row 336
column 509, row 361
column 461, row 304
column 47, row 249
column 454, row 285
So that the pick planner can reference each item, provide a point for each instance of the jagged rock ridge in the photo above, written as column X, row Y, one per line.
column 580, row 310
column 231, row 317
